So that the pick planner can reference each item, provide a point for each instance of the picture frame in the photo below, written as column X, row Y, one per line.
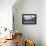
column 29, row 18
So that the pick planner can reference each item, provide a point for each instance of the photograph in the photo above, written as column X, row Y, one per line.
column 28, row 18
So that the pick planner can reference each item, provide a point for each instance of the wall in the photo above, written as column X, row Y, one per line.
column 29, row 31
column 43, row 22
column 6, row 13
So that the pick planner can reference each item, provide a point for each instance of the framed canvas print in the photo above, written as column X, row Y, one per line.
column 28, row 18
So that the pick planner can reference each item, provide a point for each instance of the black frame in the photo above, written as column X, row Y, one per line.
column 33, row 19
